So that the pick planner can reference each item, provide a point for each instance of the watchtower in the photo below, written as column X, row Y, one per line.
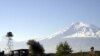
column 9, row 42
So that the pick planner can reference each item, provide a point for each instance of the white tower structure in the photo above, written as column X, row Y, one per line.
column 9, row 42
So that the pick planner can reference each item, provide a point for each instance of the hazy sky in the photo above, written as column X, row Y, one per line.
column 38, row 19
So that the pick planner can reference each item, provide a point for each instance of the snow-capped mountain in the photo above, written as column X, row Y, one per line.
column 79, row 29
column 80, row 36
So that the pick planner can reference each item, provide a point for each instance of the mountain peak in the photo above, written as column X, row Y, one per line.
column 79, row 29
column 80, row 24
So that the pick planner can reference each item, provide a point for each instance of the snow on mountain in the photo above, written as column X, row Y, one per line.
column 80, row 36
column 79, row 29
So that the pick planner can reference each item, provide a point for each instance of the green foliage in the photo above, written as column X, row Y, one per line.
column 63, row 49
column 35, row 48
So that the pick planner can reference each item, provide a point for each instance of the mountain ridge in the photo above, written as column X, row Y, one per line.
column 79, row 29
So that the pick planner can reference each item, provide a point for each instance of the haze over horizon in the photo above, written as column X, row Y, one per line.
column 38, row 19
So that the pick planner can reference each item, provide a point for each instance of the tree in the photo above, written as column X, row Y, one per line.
column 35, row 48
column 63, row 49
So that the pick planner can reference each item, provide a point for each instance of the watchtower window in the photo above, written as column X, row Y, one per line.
column 15, row 52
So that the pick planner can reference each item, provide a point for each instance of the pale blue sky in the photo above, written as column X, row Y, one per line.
column 41, row 18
